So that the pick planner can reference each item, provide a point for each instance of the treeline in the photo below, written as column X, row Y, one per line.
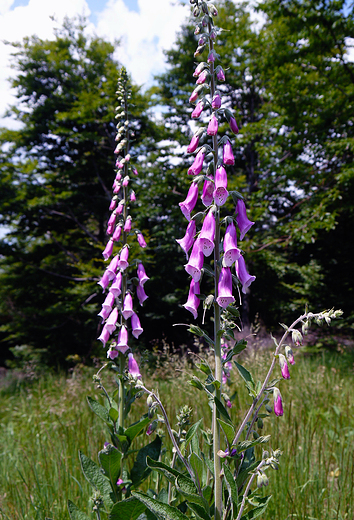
column 291, row 85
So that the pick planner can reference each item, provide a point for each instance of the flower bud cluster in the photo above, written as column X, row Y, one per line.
column 118, row 306
column 214, row 180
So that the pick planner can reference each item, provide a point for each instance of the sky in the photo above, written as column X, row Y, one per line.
column 145, row 28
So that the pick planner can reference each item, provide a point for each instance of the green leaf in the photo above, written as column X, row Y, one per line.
column 231, row 486
column 257, row 511
column 245, row 374
column 199, row 511
column 129, row 509
column 96, row 478
column 244, row 445
column 99, row 410
column 187, row 488
column 113, row 414
column 110, row 460
column 221, row 409
column 208, row 462
column 192, row 431
column 75, row 513
column 197, row 465
column 140, row 470
column 229, row 431
column 134, row 430
column 159, row 508
column 170, row 473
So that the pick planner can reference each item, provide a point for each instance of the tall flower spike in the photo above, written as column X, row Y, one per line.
column 220, row 191
column 278, row 404
column 193, row 301
column 187, row 241
column 245, row 278
column 196, row 260
column 243, row 222
column 231, row 251
column 225, row 288
column 188, row 205
column 207, row 234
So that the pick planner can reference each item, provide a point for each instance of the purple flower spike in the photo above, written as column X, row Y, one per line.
column 202, row 78
column 216, row 103
column 225, row 288
column 128, row 306
column 278, row 404
column 242, row 274
column 193, row 302
column 284, row 367
column 233, row 125
column 207, row 234
column 133, row 367
column 142, row 296
column 112, row 320
column 104, row 282
column 197, row 165
column 142, row 274
column 220, row 191
column 220, row 75
column 231, row 252
column 116, row 285
column 187, row 241
column 136, row 327
column 228, row 156
column 104, row 337
column 108, row 249
column 123, row 258
column 188, row 205
column 193, row 145
column 198, row 110
column 208, row 192
column 117, row 233
column 122, row 345
column 243, row 222
column 196, row 261
column 213, row 126
column 141, row 240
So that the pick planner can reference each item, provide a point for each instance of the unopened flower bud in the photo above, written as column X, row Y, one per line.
column 150, row 401
column 289, row 355
column 151, row 428
column 296, row 337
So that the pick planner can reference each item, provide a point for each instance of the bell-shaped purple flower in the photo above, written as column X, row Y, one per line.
column 196, row 260
column 128, row 224
column 126, row 181
column 141, row 240
column 132, row 196
column 108, row 249
column 133, row 367
column 202, row 77
column 199, row 69
column 289, row 355
column 116, row 285
column 243, row 222
column 120, row 207
column 104, row 336
column 284, row 367
column 193, row 145
column 208, row 192
column 278, row 404
column 225, row 288
column 193, row 302
column 117, row 233
column 128, row 306
column 233, row 125
column 211, row 57
column 216, row 103
column 207, row 234
column 112, row 219
column 109, row 301
column 242, row 274
column 105, row 312
column 194, row 95
column 123, row 258
column 189, row 203
column 113, row 204
column 231, row 251
column 228, row 156
column 140, row 292
column 197, row 165
column 213, row 126
column 112, row 353
column 112, row 268
column 104, row 282
column 122, row 344
column 187, row 241
column 142, row 274
column 220, row 191
column 198, row 110
column 220, row 75
column 136, row 326
column 112, row 320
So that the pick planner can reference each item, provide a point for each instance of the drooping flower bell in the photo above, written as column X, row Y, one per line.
column 122, row 344
column 233, row 125
column 208, row 192
column 128, row 224
column 193, row 301
column 278, row 404
column 112, row 268
column 187, row 241
column 225, row 288
column 123, row 258
column 141, row 294
column 189, row 203
column 284, row 367
column 220, row 74
column 202, row 77
column 104, row 282
column 243, row 222
column 116, row 285
column 128, row 306
column 207, row 234
column 112, row 353
column 108, row 249
column 198, row 110
column 231, row 251
column 220, row 191
column 133, row 367
column 289, row 355
column 197, row 165
column 136, row 326
column 104, row 336
column 142, row 276
column 199, row 69
column 141, row 240
column 213, row 126
column 216, row 103
column 245, row 278
column 113, row 204
column 109, row 301
column 132, row 196
column 195, row 262
column 193, row 145
column 228, row 156
column 117, row 233
column 112, row 320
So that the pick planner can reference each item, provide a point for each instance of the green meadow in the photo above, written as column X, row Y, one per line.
column 44, row 422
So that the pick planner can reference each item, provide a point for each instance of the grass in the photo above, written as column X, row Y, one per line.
column 44, row 423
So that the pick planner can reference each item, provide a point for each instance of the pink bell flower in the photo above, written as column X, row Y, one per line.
column 126, row 181
column 220, row 75
column 198, row 110
column 242, row 274
column 123, row 258
column 142, row 274
column 112, row 353
column 189, row 203
column 118, row 176
column 228, row 156
column 220, row 191
column 208, row 192
column 202, row 78
column 194, row 96
column 105, row 312
column 116, row 188
column 140, row 292
column 110, row 229
column 199, row 69
column 193, row 301
column 141, row 240
column 196, row 260
column 113, row 204
column 128, row 306
column 136, row 326
column 193, row 145
column 117, row 233
column 120, row 207
column 132, row 196
column 225, row 288
column 104, row 336
column 278, row 404
column 216, row 103
column 112, row 268
column 197, row 165
column 104, row 282
column 108, row 249
column 233, row 125
column 112, row 320
column 128, row 224
column 122, row 345
column 211, row 57
column 133, row 367
column 207, row 234
column 116, row 285
column 112, row 219
column 187, row 241
column 284, row 367
column 243, row 222
column 213, row 126
column 109, row 301
column 231, row 251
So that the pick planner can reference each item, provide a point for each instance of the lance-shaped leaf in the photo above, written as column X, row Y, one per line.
column 199, row 511
column 129, row 509
column 159, row 508
column 244, row 445
column 167, row 471
column 99, row 410
column 75, row 513
column 140, row 470
column 257, row 511
column 229, row 431
column 187, row 488
column 110, row 460
column 231, row 487
column 96, row 478
column 192, row 431
column 221, row 409
column 245, row 374
column 134, row 430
